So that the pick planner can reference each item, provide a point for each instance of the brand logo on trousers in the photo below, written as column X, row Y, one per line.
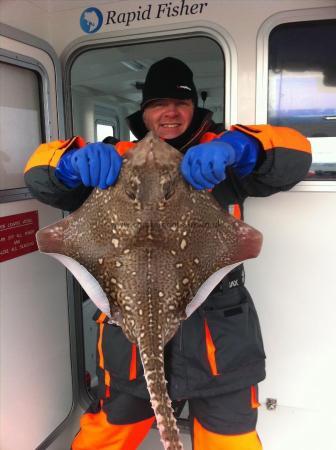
column 233, row 283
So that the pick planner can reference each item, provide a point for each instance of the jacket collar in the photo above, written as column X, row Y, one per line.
column 201, row 122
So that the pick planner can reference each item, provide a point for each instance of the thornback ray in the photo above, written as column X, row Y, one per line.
column 148, row 251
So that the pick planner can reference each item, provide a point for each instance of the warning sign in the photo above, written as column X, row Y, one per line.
column 17, row 235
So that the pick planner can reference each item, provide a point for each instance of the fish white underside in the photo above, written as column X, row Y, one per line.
column 98, row 296
column 86, row 280
column 208, row 286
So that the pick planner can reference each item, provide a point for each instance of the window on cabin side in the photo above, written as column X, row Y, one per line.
column 20, row 112
column 302, row 86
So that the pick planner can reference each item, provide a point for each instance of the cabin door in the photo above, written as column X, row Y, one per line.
column 35, row 367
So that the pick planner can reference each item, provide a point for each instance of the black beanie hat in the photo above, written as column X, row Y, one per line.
column 169, row 78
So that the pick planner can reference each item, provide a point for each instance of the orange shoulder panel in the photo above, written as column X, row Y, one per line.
column 123, row 146
column 49, row 154
column 208, row 137
column 270, row 137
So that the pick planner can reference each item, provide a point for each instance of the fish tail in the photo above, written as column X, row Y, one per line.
column 160, row 401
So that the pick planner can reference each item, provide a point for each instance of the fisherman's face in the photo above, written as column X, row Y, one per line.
column 168, row 118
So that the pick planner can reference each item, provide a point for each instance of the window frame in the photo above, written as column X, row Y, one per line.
column 26, row 62
column 213, row 31
column 223, row 41
column 323, row 13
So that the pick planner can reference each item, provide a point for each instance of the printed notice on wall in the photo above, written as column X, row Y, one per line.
column 17, row 235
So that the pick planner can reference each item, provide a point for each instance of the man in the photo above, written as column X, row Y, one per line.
column 216, row 358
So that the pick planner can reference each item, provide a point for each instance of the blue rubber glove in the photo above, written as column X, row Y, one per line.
column 93, row 165
column 204, row 165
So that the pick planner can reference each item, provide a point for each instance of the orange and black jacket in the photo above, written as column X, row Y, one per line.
column 219, row 348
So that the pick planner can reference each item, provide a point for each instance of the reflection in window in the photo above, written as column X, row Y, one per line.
column 304, row 100
column 302, row 85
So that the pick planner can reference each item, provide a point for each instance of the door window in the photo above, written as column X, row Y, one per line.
column 20, row 124
column 111, row 78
